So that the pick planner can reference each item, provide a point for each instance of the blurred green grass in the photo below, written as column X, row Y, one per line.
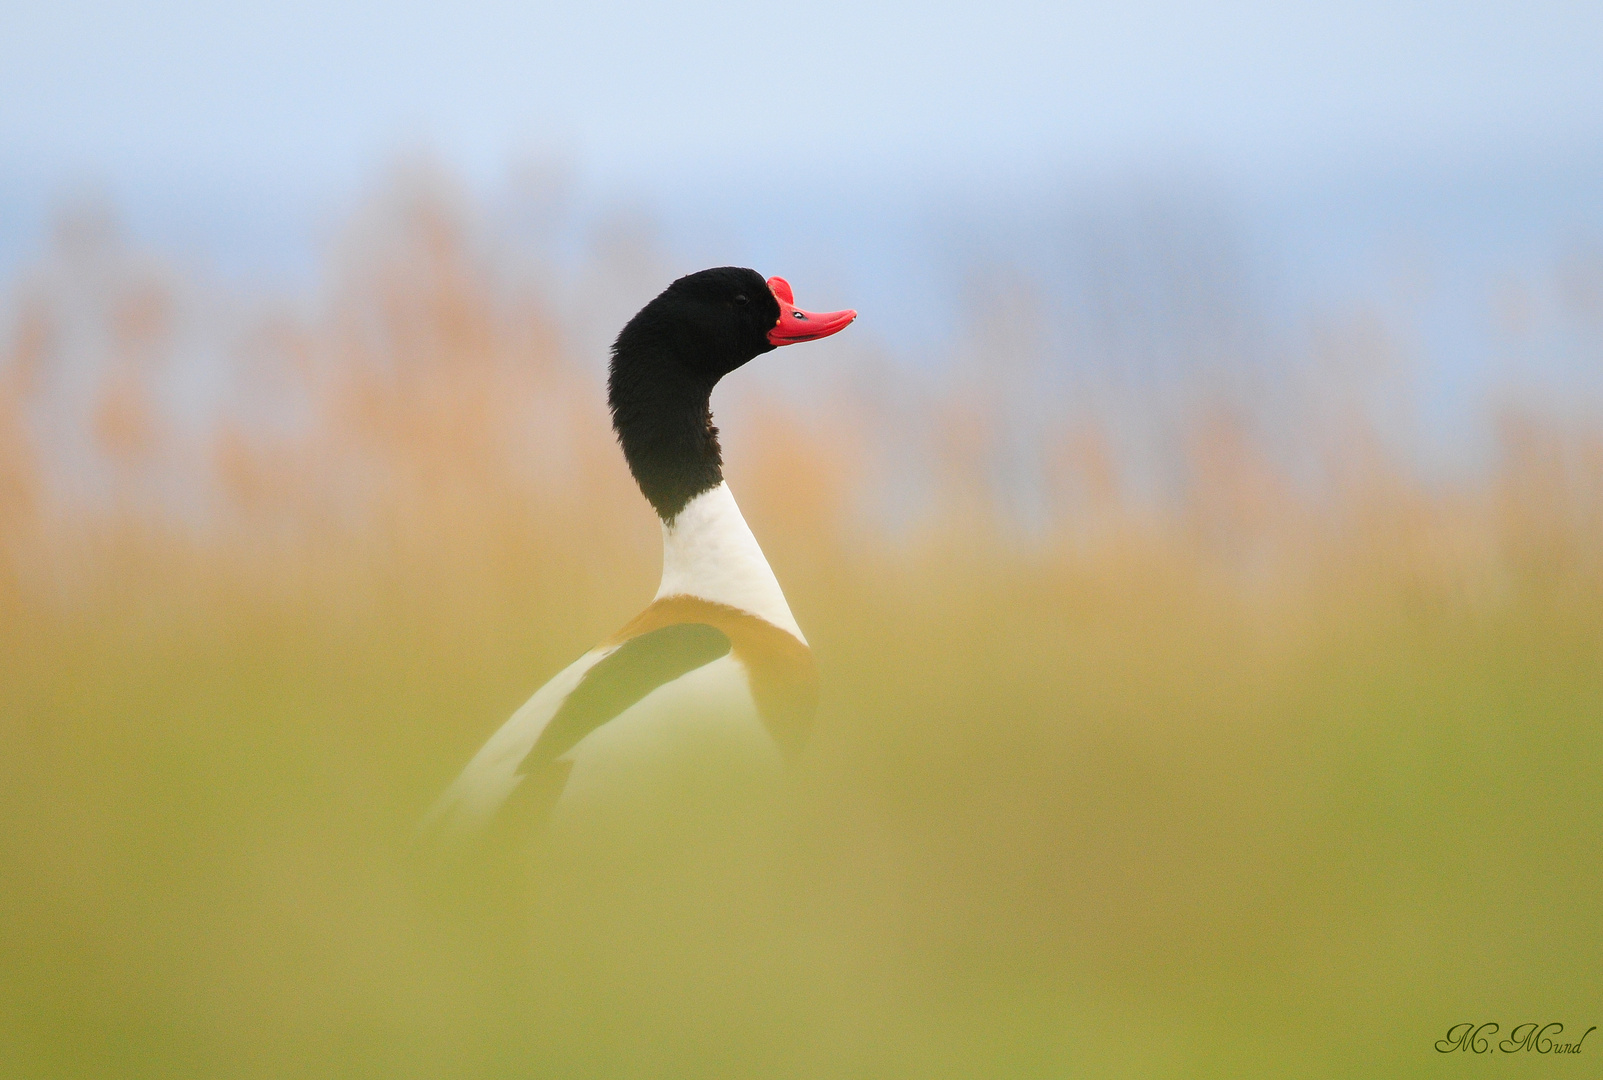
column 1107, row 803
column 1058, row 819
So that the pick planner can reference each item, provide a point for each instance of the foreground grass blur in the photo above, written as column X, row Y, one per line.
column 1082, row 804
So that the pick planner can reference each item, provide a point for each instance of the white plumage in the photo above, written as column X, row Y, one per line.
column 709, row 554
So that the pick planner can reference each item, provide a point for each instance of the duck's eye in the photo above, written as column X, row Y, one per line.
column 740, row 298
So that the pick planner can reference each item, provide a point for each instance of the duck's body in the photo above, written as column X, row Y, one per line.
column 714, row 672
column 714, row 666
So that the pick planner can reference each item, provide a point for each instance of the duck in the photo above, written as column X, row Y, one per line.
column 715, row 664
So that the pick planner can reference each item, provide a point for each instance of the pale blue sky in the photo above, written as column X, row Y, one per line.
column 884, row 151
column 312, row 94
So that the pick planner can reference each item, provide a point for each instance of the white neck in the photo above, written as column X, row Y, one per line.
column 709, row 552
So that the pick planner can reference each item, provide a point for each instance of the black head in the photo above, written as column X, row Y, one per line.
column 704, row 325
column 669, row 357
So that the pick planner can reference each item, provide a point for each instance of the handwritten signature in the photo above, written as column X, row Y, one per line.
column 1527, row 1038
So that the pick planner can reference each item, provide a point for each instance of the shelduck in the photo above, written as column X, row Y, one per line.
column 716, row 660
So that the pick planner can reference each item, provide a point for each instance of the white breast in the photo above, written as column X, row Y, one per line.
column 691, row 737
column 703, row 725
column 709, row 552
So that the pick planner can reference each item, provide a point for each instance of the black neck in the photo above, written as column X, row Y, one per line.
column 662, row 413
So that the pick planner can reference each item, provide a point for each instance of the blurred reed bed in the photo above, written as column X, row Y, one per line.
column 1268, row 778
